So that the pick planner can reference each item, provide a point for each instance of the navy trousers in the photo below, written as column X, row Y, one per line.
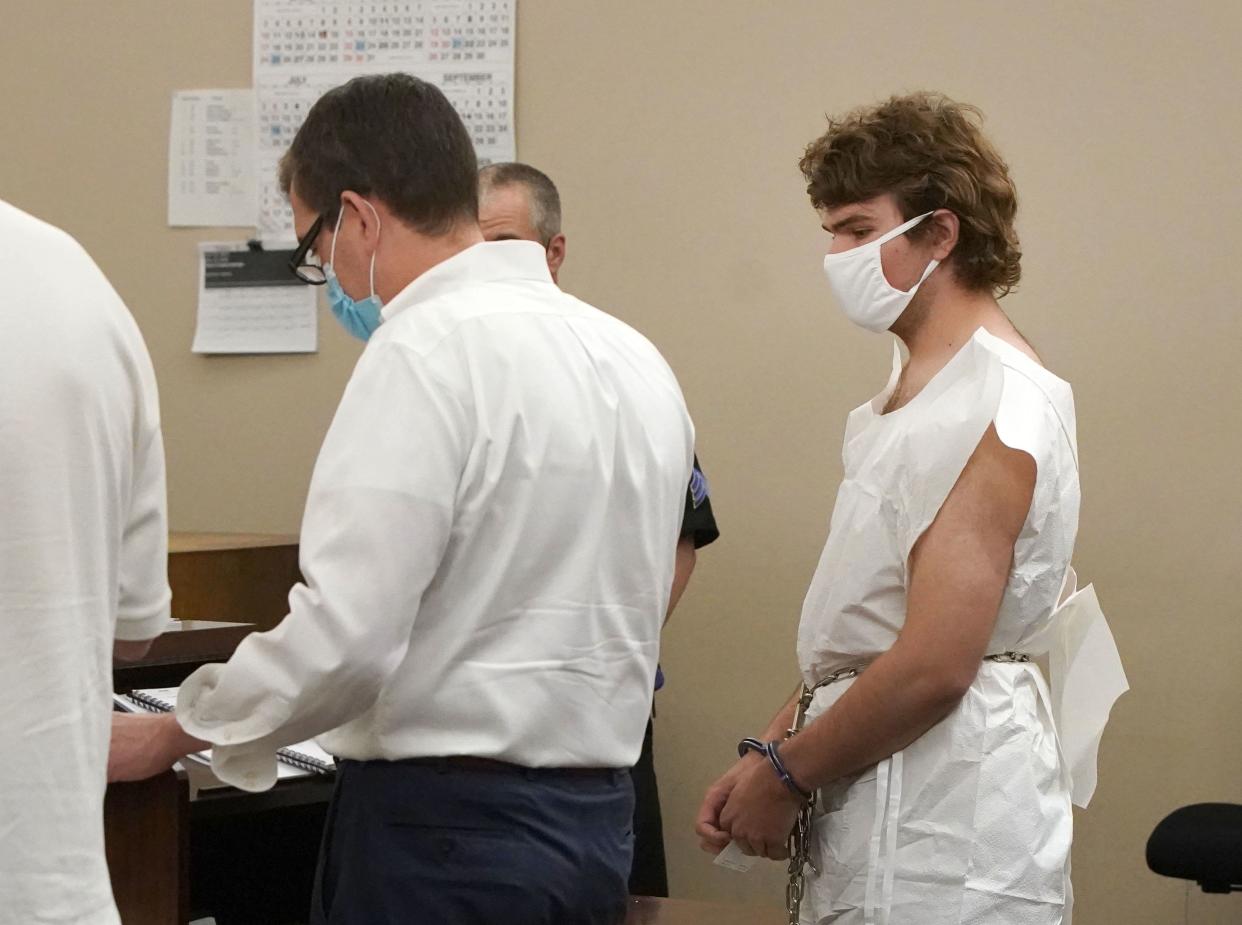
column 410, row 842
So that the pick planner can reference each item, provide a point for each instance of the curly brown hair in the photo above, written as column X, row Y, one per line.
column 930, row 153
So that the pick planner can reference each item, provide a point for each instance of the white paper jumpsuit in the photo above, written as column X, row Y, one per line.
column 972, row 822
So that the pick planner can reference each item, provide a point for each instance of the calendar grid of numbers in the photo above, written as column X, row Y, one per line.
column 303, row 48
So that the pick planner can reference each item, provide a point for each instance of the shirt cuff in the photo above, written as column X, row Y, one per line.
column 240, row 756
column 246, row 767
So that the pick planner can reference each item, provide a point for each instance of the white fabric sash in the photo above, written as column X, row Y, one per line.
column 1086, row 678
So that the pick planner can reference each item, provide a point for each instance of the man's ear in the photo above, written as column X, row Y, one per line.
column 944, row 233
column 556, row 255
column 362, row 210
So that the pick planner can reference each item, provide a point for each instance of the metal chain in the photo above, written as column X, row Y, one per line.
column 800, row 837
column 1014, row 657
column 799, row 858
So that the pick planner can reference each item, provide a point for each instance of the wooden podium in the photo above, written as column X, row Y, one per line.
column 244, row 857
column 236, row 854
column 234, row 577
column 147, row 840
column 178, row 651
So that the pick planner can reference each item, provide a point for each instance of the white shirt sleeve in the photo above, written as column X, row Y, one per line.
column 144, row 598
column 377, row 521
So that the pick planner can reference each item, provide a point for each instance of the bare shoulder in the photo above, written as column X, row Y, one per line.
column 985, row 510
column 998, row 479
column 992, row 495
column 1008, row 334
column 992, row 452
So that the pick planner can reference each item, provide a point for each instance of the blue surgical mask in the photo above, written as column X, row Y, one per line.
column 359, row 317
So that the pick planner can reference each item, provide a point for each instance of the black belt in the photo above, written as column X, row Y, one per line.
column 476, row 764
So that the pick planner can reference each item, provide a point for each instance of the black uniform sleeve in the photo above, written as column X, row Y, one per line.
column 698, row 521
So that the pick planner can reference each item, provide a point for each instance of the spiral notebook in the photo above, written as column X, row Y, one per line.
column 298, row 760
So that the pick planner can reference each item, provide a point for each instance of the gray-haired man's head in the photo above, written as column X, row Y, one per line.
column 519, row 203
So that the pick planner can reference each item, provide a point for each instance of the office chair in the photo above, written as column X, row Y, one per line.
column 1203, row 843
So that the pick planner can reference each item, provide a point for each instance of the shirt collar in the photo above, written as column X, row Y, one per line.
column 490, row 261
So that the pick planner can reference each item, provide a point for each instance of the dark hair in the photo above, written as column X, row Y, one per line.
column 392, row 136
column 929, row 152
column 545, row 201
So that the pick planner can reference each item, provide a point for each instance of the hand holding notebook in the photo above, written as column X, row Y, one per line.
column 299, row 760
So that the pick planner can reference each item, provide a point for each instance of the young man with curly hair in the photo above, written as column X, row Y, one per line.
column 934, row 767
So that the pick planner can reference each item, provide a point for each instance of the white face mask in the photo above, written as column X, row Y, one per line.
column 857, row 279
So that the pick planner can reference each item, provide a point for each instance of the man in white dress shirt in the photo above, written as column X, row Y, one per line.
column 83, row 561
column 518, row 202
column 488, row 548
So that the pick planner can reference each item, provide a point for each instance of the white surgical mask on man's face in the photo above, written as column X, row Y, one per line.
column 858, row 281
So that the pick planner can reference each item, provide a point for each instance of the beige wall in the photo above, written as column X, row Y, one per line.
column 673, row 130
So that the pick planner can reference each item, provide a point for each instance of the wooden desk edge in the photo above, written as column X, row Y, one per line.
column 180, row 542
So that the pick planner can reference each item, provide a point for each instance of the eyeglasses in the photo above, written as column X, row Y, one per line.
column 300, row 266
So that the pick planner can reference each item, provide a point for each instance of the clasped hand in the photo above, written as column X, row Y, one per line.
column 748, row 805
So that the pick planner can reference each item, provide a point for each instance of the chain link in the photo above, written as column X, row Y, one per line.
column 799, row 858
column 800, row 837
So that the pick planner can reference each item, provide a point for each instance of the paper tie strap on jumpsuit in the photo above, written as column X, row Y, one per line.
column 971, row 823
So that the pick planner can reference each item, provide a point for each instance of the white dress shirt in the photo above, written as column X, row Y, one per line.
column 83, row 554
column 488, row 542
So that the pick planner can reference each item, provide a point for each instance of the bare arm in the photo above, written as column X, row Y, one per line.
column 124, row 650
column 958, row 572
column 145, row 744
